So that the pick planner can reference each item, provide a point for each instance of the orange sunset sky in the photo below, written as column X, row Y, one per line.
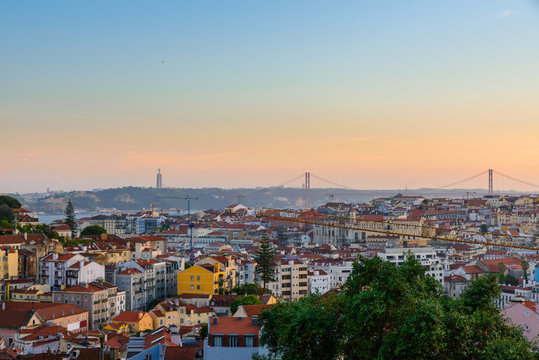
column 380, row 95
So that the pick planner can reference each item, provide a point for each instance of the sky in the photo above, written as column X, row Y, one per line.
column 371, row 94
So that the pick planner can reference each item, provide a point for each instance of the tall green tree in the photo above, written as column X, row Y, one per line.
column 70, row 219
column 265, row 261
column 389, row 312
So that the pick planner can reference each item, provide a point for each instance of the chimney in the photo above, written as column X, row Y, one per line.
column 175, row 335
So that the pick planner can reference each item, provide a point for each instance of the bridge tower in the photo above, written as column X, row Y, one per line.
column 490, row 181
column 307, row 190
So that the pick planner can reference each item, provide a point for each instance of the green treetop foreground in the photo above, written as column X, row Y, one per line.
column 389, row 312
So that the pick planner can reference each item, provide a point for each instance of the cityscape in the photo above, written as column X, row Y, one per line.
column 234, row 180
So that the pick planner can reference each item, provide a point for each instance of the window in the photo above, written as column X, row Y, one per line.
column 192, row 287
column 198, row 278
column 192, row 278
column 198, row 287
column 217, row 340
column 249, row 340
column 232, row 340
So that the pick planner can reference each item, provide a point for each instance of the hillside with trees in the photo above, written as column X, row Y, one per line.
column 136, row 198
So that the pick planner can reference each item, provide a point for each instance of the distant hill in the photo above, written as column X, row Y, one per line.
column 136, row 198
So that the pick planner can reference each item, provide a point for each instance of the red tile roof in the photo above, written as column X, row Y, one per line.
column 129, row 316
column 254, row 310
column 233, row 325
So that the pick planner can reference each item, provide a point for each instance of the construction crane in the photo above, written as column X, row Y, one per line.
column 153, row 204
column 239, row 198
column 385, row 227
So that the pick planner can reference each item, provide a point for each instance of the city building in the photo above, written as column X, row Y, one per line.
column 233, row 338
column 102, row 300
column 202, row 279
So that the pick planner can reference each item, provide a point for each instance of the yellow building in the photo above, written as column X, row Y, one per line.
column 112, row 256
column 526, row 201
column 227, row 263
column 135, row 320
column 202, row 279
column 34, row 293
column 193, row 315
column 165, row 314
column 9, row 262
column 117, row 327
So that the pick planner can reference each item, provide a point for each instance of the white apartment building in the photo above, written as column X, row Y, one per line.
column 338, row 270
column 318, row 281
column 425, row 255
column 245, row 271
column 68, row 269
column 290, row 279
column 84, row 272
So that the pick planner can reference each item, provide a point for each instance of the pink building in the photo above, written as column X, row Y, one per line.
column 524, row 314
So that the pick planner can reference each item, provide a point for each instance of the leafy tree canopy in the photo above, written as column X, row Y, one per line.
column 39, row 229
column 244, row 300
column 11, row 202
column 389, row 312
column 6, row 224
column 6, row 214
column 203, row 331
column 93, row 230
column 249, row 289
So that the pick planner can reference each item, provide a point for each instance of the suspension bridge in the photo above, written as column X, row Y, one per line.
column 487, row 182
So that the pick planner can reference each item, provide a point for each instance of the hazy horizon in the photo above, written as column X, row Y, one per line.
column 372, row 95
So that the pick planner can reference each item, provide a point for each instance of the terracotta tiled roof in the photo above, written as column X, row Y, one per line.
column 47, row 311
column 473, row 269
column 254, row 310
column 129, row 316
column 493, row 265
column 14, row 319
column 233, row 325
column 180, row 353
column 130, row 271
column 43, row 330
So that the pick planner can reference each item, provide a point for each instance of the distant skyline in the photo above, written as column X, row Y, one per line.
column 374, row 95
